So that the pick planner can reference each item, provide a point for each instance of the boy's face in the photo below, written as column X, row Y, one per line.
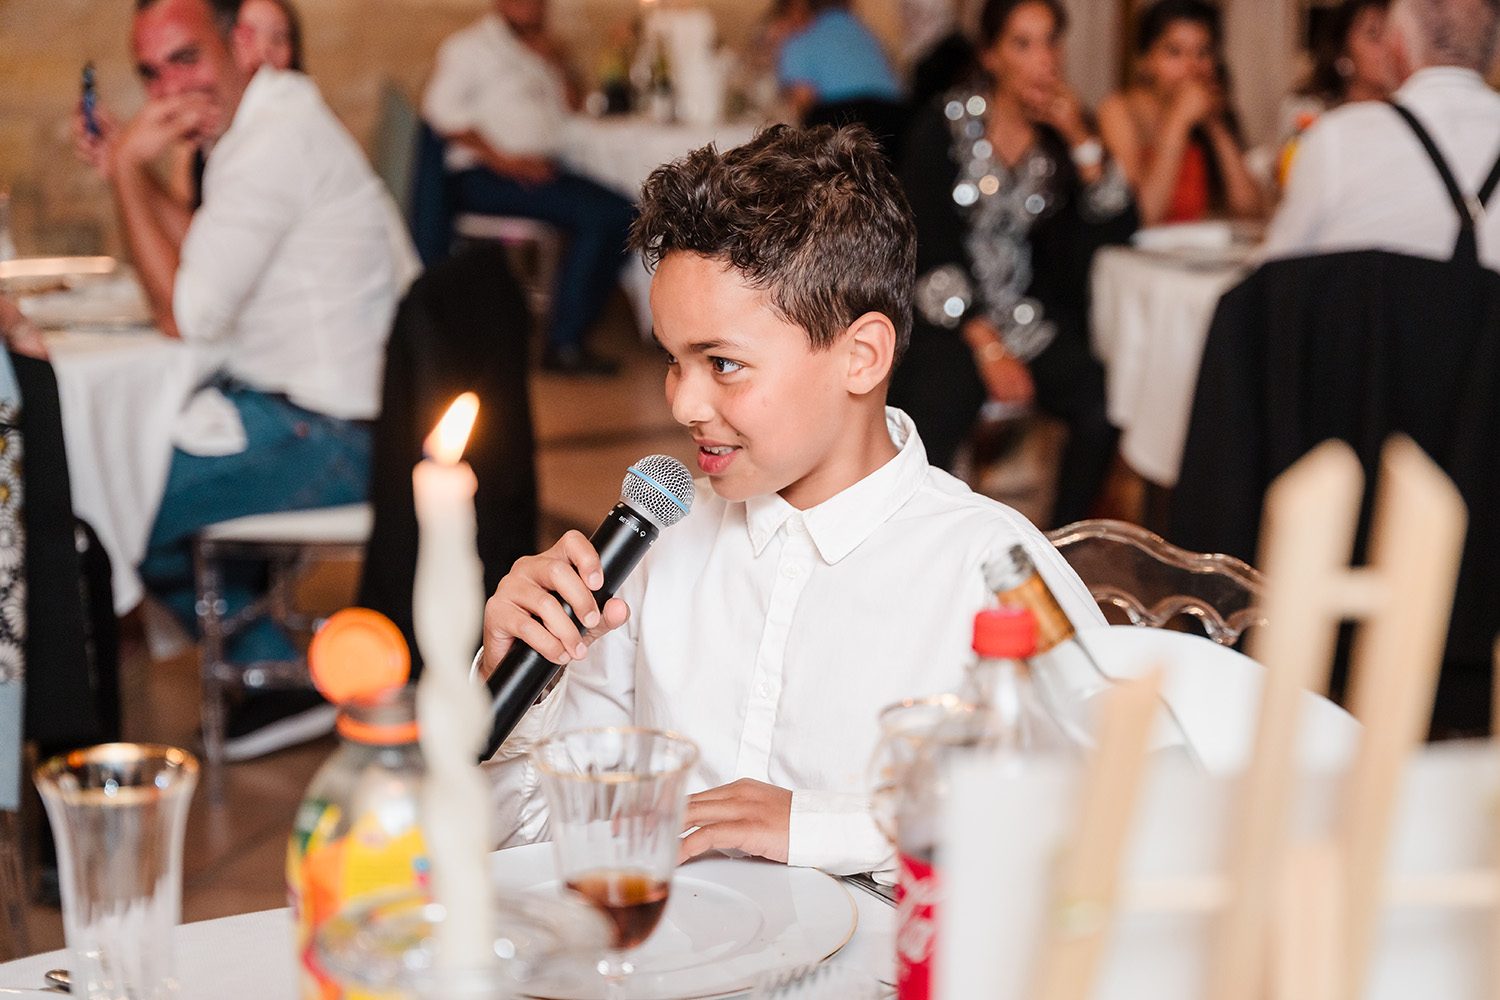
column 767, row 412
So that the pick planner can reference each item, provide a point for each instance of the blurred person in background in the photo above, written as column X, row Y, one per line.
column 290, row 274
column 1012, row 191
column 498, row 96
column 19, row 333
column 1173, row 132
column 834, row 72
column 1362, row 178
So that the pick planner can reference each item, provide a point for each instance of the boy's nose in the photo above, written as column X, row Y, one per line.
column 689, row 402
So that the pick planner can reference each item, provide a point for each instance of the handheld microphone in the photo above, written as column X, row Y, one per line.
column 656, row 494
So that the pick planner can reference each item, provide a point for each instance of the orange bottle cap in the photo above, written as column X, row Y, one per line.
column 356, row 654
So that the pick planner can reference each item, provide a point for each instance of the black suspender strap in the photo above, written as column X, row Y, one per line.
column 1469, row 209
column 1487, row 189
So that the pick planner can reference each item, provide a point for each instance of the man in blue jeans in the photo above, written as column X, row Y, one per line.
column 498, row 96
column 288, row 273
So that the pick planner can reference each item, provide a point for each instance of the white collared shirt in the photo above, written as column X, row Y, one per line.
column 291, row 266
column 772, row 637
column 487, row 81
column 1361, row 180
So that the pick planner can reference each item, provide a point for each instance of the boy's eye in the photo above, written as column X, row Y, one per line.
column 723, row 366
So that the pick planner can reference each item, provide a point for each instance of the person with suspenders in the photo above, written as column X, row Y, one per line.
column 1417, row 175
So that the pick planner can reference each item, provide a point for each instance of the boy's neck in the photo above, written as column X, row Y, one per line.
column 860, row 453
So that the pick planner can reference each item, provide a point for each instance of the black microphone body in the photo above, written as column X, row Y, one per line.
column 523, row 673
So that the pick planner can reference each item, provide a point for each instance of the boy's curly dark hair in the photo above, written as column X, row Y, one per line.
column 812, row 216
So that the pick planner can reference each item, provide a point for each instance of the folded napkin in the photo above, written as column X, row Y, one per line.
column 209, row 426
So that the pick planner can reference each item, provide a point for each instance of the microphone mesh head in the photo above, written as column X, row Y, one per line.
column 660, row 487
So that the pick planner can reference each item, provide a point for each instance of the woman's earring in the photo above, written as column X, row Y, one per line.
column 1344, row 66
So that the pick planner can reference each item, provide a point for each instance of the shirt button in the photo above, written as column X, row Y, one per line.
column 791, row 572
column 764, row 690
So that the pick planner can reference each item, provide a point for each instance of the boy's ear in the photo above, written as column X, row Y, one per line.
column 871, row 347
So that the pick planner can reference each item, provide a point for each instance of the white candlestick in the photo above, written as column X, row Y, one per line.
column 448, row 611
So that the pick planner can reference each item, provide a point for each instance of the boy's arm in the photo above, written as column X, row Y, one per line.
column 832, row 831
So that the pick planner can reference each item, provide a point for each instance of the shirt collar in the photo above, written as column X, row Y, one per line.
column 1429, row 76
column 257, row 92
column 839, row 524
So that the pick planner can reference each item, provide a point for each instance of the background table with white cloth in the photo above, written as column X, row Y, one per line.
column 1150, row 313
column 121, row 393
column 620, row 152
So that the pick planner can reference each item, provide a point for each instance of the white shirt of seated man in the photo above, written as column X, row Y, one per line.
column 772, row 637
column 291, row 264
column 487, row 81
column 1361, row 179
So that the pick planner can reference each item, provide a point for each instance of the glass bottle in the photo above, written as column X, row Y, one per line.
column 1067, row 675
column 1001, row 714
column 358, row 829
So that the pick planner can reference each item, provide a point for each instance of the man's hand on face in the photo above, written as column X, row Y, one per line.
column 744, row 815
column 161, row 123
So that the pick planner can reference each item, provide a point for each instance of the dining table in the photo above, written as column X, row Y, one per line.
column 1151, row 307
column 250, row 956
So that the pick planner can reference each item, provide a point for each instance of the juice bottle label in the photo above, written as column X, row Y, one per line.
column 916, row 928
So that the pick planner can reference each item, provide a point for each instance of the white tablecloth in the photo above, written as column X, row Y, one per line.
column 1150, row 316
column 621, row 151
column 249, row 957
column 120, row 394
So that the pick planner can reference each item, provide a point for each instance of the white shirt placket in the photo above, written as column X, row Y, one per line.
column 793, row 568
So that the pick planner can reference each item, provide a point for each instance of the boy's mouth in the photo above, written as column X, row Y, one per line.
column 715, row 458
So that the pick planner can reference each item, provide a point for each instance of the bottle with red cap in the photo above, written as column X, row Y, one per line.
column 357, row 831
column 1002, row 715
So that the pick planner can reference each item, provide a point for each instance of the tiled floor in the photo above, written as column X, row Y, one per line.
column 588, row 431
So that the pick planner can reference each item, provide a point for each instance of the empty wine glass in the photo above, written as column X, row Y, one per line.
column 616, row 798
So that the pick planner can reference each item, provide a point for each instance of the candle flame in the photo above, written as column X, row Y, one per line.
column 447, row 441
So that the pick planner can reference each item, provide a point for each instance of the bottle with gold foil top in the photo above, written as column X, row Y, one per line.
column 1064, row 671
column 358, row 830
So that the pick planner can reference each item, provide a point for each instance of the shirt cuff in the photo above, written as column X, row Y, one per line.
column 835, row 832
column 539, row 722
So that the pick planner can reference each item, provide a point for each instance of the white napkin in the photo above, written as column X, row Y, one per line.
column 209, row 426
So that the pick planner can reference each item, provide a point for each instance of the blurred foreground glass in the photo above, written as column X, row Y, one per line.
column 388, row 946
column 118, row 813
column 615, row 799
column 904, row 729
column 820, row 982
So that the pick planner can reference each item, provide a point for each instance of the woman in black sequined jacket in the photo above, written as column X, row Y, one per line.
column 1012, row 194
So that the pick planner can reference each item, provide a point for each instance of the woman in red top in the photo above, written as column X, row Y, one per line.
column 1172, row 133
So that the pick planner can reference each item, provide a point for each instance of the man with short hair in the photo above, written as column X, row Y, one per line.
column 1362, row 178
column 288, row 275
column 499, row 96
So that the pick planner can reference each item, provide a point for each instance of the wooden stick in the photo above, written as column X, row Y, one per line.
column 1472, row 889
column 1084, row 899
column 1416, row 542
column 1311, row 513
column 1309, row 957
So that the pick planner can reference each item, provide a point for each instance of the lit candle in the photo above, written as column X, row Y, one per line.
column 448, row 610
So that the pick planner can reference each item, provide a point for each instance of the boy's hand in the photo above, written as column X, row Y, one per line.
column 744, row 815
column 525, row 605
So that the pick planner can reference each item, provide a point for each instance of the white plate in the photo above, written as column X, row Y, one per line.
column 1215, row 693
column 728, row 921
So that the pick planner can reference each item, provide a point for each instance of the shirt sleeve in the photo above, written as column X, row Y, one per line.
column 835, row 832
column 1295, row 227
column 448, row 102
column 598, row 690
column 259, row 191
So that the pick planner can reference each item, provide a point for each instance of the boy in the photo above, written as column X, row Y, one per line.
column 826, row 569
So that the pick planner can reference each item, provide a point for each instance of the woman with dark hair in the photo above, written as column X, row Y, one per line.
column 268, row 33
column 1350, row 63
column 1173, row 132
column 1012, row 192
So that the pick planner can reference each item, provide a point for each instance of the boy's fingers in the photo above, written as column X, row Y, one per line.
column 549, row 609
column 721, row 836
column 581, row 554
column 703, row 812
column 616, row 613
column 563, row 580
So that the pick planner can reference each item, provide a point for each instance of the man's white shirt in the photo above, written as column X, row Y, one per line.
column 293, row 265
column 1361, row 180
column 487, row 81
column 772, row 638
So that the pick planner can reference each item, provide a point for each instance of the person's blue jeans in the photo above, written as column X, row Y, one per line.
column 295, row 459
column 595, row 221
